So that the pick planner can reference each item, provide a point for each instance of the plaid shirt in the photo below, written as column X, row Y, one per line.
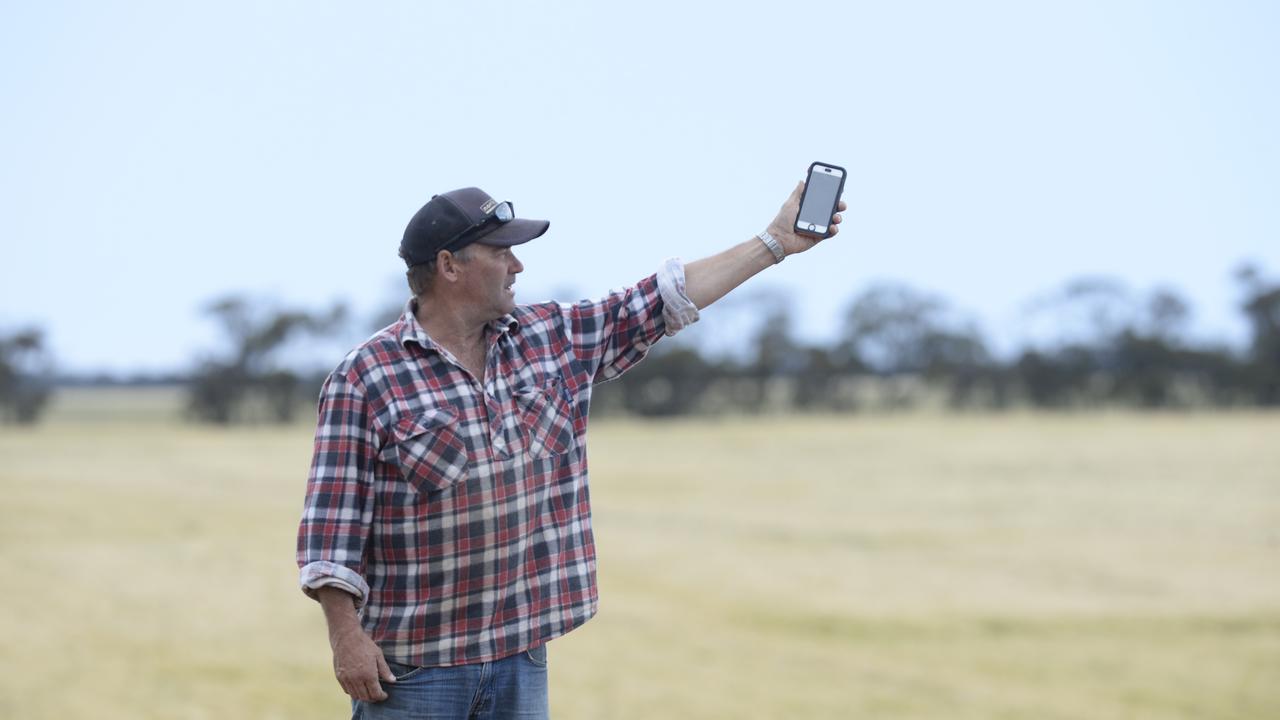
column 457, row 512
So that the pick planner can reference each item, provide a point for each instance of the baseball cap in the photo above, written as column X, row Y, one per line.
column 453, row 220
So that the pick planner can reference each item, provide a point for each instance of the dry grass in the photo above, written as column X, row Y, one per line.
column 1016, row 566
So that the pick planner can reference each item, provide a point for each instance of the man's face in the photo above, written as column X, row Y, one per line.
column 489, row 273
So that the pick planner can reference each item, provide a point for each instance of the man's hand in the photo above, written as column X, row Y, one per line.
column 358, row 664
column 783, row 226
column 357, row 659
column 710, row 278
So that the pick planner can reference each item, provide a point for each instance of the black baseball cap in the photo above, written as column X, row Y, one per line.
column 453, row 220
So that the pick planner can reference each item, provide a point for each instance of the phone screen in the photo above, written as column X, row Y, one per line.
column 819, row 199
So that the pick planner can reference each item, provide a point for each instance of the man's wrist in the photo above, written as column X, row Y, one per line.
column 346, row 633
column 775, row 247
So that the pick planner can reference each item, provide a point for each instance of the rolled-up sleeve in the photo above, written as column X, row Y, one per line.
column 338, row 510
column 611, row 335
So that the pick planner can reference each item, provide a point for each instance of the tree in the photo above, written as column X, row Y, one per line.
column 1077, row 362
column 1085, row 313
column 669, row 382
column 1261, row 307
column 1167, row 314
column 893, row 328
column 221, row 386
column 24, row 386
column 776, row 351
column 1146, row 358
column 817, row 382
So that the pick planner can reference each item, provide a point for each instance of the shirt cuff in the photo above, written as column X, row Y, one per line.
column 316, row 575
column 678, row 311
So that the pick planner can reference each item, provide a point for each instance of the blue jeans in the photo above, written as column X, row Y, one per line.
column 514, row 687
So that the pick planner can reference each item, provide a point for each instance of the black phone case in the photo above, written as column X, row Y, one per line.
column 844, row 174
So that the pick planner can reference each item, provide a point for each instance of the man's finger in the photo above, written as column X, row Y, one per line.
column 374, row 691
column 836, row 218
column 843, row 206
column 384, row 671
column 364, row 691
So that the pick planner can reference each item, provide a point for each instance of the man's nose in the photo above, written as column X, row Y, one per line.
column 516, row 265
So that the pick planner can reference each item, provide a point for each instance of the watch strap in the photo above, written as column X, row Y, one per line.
column 774, row 246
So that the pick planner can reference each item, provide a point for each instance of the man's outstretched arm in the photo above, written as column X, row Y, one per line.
column 711, row 278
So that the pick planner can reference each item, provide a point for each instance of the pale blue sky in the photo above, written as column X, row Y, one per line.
column 158, row 154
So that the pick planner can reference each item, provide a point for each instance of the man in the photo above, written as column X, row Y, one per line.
column 447, row 529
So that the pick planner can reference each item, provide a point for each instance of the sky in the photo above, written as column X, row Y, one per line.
column 156, row 156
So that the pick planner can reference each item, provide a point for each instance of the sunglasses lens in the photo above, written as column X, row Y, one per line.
column 504, row 212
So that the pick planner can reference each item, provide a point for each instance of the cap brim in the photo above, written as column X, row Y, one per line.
column 515, row 232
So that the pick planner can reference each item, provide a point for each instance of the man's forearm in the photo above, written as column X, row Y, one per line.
column 339, row 611
column 711, row 278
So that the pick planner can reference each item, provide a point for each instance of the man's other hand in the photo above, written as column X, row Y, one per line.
column 358, row 665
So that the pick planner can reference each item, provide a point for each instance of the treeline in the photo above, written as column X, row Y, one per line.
column 902, row 348
column 1097, row 345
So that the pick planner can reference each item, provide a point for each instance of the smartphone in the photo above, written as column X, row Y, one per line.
column 821, row 197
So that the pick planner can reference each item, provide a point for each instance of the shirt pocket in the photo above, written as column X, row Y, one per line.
column 428, row 450
column 546, row 418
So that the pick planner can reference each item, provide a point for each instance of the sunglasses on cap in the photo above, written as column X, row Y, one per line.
column 504, row 212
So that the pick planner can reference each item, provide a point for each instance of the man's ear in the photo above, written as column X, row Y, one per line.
column 447, row 265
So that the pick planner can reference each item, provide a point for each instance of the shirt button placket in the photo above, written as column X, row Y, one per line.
column 496, row 436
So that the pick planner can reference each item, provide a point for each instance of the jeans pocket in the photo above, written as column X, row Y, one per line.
column 402, row 671
column 537, row 655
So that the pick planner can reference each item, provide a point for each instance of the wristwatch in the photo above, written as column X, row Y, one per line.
column 774, row 246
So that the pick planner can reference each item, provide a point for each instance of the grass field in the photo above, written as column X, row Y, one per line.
column 1004, row 566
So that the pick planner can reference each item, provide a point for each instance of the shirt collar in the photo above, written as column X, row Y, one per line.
column 412, row 331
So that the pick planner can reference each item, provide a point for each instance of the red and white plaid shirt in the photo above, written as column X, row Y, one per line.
column 457, row 512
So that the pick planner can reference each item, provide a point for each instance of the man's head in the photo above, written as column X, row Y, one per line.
column 441, row 236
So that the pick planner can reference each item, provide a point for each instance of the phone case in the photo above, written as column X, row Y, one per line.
column 844, row 174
